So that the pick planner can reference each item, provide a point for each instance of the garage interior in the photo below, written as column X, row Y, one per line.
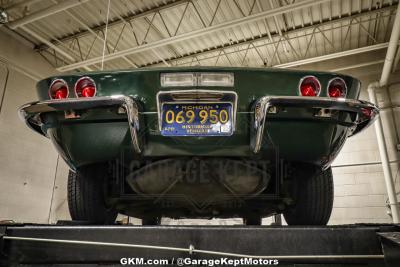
column 41, row 38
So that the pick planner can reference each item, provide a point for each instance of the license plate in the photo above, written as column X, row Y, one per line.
column 196, row 119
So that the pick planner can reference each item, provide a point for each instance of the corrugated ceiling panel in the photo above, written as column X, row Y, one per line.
column 292, row 45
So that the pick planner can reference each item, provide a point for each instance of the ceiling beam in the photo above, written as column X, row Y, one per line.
column 23, row 3
column 193, row 34
column 56, row 48
column 42, row 39
column 396, row 60
column 333, row 55
column 118, row 21
column 54, row 9
column 269, row 36
column 360, row 65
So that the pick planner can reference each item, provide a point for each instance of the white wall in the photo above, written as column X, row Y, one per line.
column 360, row 192
column 33, row 178
column 27, row 160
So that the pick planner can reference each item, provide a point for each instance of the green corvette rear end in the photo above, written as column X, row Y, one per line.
column 200, row 141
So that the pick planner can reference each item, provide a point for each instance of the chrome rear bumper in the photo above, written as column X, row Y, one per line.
column 30, row 113
column 365, row 112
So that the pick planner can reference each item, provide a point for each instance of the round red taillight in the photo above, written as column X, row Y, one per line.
column 309, row 86
column 58, row 89
column 337, row 88
column 85, row 87
column 367, row 112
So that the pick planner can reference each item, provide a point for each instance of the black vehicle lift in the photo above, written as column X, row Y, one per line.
column 361, row 244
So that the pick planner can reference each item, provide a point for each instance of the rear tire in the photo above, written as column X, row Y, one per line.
column 86, row 196
column 313, row 198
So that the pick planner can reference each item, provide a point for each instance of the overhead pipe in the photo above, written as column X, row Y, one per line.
column 396, row 60
column 391, row 51
column 387, row 173
column 387, row 67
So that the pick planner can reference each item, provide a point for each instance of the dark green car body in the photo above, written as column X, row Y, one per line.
column 273, row 122
column 100, row 135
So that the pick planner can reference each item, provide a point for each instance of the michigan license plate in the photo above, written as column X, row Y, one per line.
column 196, row 119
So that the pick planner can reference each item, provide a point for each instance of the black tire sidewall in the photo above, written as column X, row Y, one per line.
column 87, row 196
column 313, row 199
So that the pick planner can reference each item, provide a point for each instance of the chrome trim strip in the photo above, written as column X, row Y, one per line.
column 30, row 113
column 340, row 104
column 132, row 111
column 233, row 94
